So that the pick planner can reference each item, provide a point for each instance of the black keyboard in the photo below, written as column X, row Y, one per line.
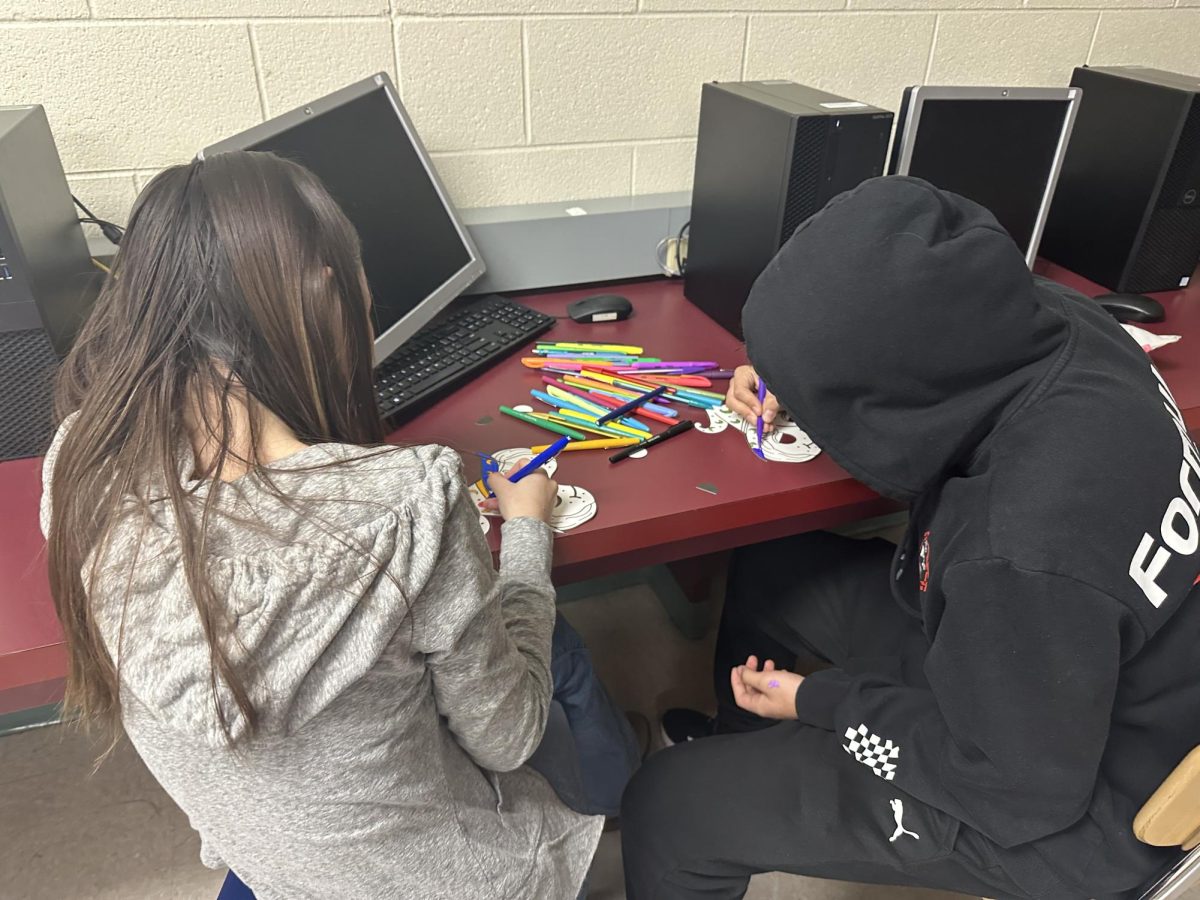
column 466, row 339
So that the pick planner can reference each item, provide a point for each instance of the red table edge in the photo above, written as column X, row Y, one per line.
column 34, row 665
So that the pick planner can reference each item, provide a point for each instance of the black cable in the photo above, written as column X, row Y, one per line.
column 87, row 212
column 680, row 257
column 112, row 231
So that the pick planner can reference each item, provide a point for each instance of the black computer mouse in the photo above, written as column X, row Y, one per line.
column 1132, row 307
column 601, row 308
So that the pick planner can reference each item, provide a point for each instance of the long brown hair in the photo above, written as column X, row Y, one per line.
column 239, row 281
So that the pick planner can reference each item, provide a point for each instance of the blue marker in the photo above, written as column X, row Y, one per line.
column 583, row 406
column 541, row 459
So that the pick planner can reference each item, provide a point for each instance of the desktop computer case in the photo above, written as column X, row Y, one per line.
column 769, row 155
column 46, row 278
column 1126, row 213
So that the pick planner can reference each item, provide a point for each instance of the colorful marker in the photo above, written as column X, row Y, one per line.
column 595, row 412
column 610, row 444
column 667, row 418
column 676, row 429
column 762, row 398
column 616, row 428
column 541, row 423
column 631, row 405
column 594, row 348
column 576, row 425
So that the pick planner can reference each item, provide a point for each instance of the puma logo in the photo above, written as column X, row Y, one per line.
column 898, row 812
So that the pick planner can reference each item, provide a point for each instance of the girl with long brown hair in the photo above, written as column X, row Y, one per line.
column 298, row 626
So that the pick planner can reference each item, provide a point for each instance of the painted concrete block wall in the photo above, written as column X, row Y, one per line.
column 523, row 101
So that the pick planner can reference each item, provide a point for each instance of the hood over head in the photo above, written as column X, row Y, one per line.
column 900, row 326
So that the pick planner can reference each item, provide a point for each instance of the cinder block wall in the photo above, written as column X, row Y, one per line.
column 523, row 101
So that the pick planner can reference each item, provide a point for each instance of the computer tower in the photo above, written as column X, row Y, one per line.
column 1127, row 210
column 769, row 155
column 47, row 280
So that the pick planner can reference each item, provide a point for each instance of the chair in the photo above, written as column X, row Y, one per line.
column 234, row 889
column 1171, row 818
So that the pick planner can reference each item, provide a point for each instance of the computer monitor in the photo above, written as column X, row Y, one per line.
column 1001, row 147
column 360, row 142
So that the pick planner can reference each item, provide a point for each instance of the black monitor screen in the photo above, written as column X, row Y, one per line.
column 362, row 153
column 998, row 153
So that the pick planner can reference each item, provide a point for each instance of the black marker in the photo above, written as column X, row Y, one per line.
column 677, row 428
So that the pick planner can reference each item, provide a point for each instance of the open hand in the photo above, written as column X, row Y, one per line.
column 531, row 497
column 770, row 693
column 743, row 398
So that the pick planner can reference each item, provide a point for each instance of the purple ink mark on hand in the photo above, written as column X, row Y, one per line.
column 772, row 683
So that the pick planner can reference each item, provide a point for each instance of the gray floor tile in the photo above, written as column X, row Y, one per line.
column 65, row 833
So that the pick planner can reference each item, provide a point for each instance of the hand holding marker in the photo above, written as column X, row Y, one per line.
column 534, row 500
column 491, row 467
column 762, row 397
column 540, row 460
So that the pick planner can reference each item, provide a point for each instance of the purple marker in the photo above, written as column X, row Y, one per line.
column 674, row 364
column 762, row 398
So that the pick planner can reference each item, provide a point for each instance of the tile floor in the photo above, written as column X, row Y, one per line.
column 66, row 833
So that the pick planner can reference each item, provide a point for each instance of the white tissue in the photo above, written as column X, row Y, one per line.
column 1147, row 340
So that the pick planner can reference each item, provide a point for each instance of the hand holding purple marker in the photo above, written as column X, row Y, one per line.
column 762, row 397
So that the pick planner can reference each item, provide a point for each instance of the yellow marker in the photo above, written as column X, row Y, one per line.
column 597, row 348
column 611, row 444
column 576, row 424
column 598, row 376
column 574, row 419
column 607, row 385
column 611, row 427
column 567, row 397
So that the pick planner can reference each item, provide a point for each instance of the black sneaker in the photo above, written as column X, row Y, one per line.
column 682, row 725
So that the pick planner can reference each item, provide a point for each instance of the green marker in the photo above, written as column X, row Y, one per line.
column 542, row 423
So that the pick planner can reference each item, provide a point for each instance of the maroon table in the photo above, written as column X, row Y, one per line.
column 650, row 510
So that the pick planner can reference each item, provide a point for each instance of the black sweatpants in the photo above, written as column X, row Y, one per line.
column 700, row 818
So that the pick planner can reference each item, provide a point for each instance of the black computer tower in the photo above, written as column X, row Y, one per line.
column 769, row 155
column 1127, row 210
column 47, row 280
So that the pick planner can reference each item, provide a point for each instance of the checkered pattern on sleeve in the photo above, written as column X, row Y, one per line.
column 872, row 751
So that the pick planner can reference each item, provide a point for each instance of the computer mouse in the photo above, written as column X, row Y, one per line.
column 601, row 308
column 1132, row 307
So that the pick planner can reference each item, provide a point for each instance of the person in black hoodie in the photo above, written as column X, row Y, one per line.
column 999, row 695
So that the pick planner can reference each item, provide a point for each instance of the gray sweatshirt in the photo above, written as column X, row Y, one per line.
column 401, row 682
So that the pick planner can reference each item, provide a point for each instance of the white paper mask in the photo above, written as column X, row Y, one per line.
column 784, row 443
column 510, row 458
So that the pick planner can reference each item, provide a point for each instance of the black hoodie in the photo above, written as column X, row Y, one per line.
column 1052, row 547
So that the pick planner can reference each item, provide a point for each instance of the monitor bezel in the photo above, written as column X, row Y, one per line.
column 425, row 311
column 917, row 95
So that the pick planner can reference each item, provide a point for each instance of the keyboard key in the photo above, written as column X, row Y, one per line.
column 460, row 344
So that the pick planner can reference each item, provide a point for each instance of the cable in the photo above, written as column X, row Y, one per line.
column 86, row 211
column 113, row 232
column 101, row 266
